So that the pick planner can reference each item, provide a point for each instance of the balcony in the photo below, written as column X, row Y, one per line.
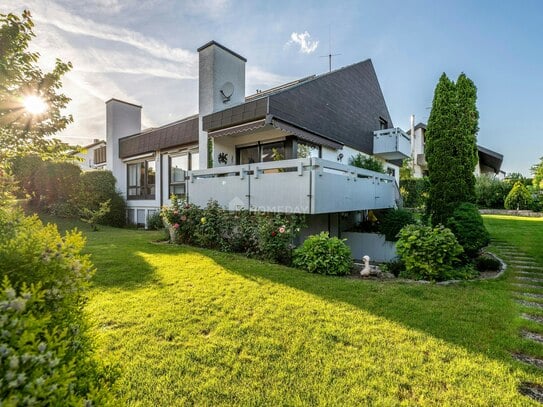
column 391, row 144
column 308, row 185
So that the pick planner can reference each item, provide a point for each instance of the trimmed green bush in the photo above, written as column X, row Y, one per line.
column 395, row 267
column 467, row 225
column 414, row 192
column 276, row 234
column 323, row 254
column 96, row 187
column 393, row 221
column 519, row 197
column 428, row 253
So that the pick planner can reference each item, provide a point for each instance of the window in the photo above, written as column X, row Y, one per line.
column 272, row 152
column 264, row 152
column 383, row 124
column 100, row 155
column 179, row 165
column 391, row 171
column 307, row 150
column 141, row 180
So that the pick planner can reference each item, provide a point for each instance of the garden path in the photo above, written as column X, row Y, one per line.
column 527, row 289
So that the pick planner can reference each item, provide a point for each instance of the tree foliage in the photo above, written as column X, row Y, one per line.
column 519, row 197
column 22, row 132
column 537, row 172
column 451, row 146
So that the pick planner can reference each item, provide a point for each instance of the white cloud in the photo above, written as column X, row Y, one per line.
column 307, row 46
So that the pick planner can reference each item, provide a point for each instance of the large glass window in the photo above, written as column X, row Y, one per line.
column 141, row 180
column 179, row 165
column 273, row 152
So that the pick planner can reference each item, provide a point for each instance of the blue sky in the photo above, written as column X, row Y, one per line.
column 145, row 52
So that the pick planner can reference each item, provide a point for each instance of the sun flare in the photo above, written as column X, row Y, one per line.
column 34, row 104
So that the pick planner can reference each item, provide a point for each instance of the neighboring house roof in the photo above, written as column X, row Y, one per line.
column 96, row 143
column 179, row 133
column 490, row 158
column 344, row 106
column 418, row 126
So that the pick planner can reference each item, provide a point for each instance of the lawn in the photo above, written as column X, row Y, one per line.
column 189, row 326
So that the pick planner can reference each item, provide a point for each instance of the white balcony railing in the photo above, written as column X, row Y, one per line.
column 308, row 185
column 391, row 144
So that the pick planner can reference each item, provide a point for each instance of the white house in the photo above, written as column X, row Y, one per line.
column 93, row 156
column 281, row 150
column 489, row 163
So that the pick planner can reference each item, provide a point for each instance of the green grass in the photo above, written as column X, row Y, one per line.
column 189, row 326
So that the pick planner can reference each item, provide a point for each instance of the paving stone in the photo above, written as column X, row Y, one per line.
column 529, row 273
column 524, row 267
column 537, row 287
column 530, row 304
column 534, row 336
column 530, row 279
column 534, row 318
column 528, row 359
column 532, row 390
column 531, row 295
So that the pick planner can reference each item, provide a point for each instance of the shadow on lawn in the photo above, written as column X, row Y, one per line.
column 451, row 313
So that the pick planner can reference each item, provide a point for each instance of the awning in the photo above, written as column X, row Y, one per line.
column 240, row 129
column 305, row 135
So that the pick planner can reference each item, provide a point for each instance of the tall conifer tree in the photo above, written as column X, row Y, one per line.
column 451, row 147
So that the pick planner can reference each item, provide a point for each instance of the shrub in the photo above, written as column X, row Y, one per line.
column 213, row 226
column 393, row 221
column 369, row 163
column 93, row 217
column 467, row 225
column 32, row 353
column 155, row 222
column 491, row 192
column 323, row 254
column 487, row 263
column 243, row 235
column 31, row 253
column 96, row 187
column 182, row 219
column 428, row 253
column 519, row 197
column 276, row 234
column 414, row 192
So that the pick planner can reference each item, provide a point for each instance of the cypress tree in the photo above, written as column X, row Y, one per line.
column 451, row 147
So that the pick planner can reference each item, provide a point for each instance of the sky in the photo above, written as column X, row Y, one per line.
column 144, row 52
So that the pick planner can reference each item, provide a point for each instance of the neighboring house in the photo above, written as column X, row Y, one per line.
column 489, row 163
column 281, row 150
column 93, row 156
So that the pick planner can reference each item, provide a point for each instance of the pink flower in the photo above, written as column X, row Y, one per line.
column 183, row 218
column 282, row 229
column 176, row 226
column 175, row 212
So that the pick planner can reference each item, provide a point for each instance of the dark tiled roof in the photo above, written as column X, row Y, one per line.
column 490, row 158
column 175, row 134
column 344, row 105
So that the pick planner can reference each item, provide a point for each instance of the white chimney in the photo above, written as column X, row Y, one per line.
column 221, row 84
column 122, row 119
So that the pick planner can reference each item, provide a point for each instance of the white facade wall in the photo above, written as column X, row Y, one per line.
column 88, row 158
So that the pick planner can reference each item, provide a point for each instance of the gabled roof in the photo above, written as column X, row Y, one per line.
column 344, row 106
column 179, row 133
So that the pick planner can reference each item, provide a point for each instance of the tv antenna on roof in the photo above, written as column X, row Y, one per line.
column 330, row 55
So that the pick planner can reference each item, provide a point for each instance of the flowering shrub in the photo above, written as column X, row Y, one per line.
column 182, row 218
column 323, row 254
column 276, row 233
column 269, row 236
